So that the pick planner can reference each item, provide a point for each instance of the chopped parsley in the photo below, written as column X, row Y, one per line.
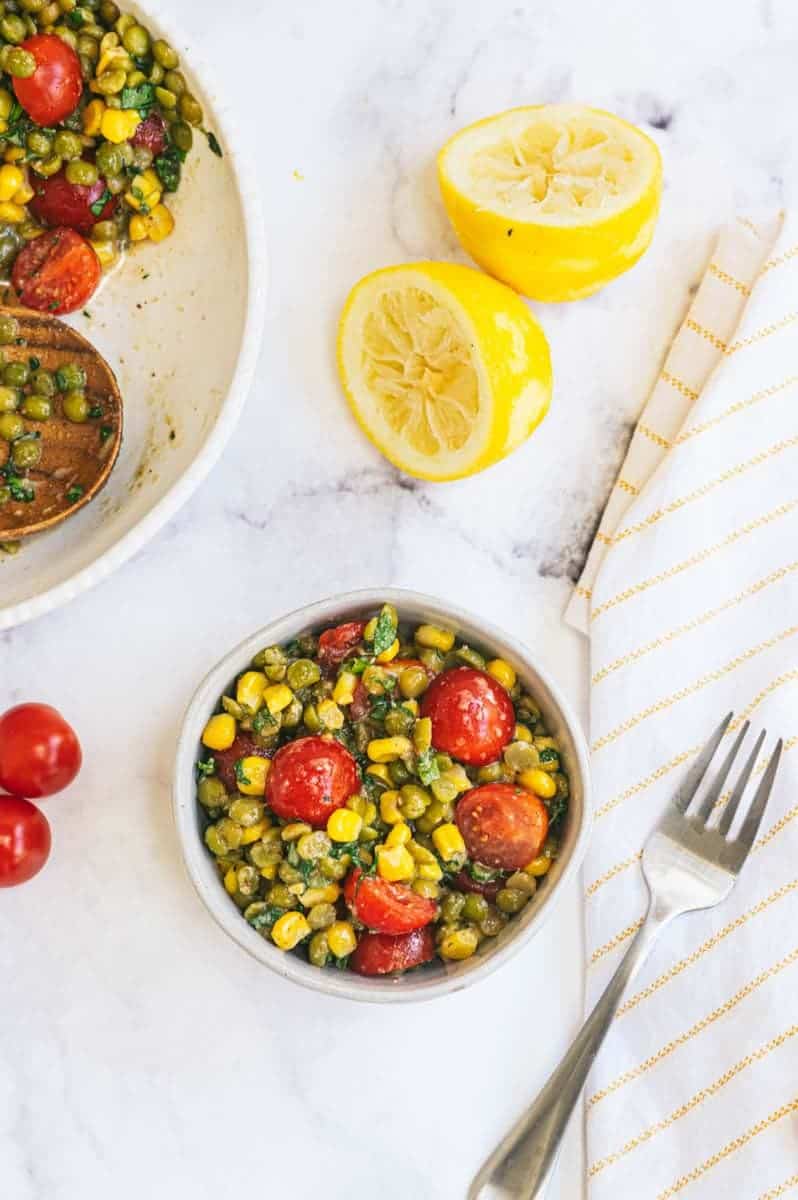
column 75, row 493
column 427, row 766
column 241, row 775
column 20, row 489
column 356, row 666
column 168, row 167
column 95, row 411
column 141, row 97
column 385, row 632
column 106, row 431
column 34, row 363
column 548, row 755
column 266, row 917
column 263, row 721
column 214, row 143
column 206, row 767
column 100, row 203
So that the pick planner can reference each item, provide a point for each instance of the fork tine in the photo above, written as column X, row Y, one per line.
column 704, row 811
column 696, row 773
column 750, row 825
column 725, row 823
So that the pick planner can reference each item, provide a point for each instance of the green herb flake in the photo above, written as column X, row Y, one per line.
column 20, row 489
column 95, row 411
column 75, row 493
column 106, row 431
column 214, row 143
column 168, row 167
column 267, row 917
column 206, row 766
column 34, row 363
column 385, row 632
column 548, row 755
column 240, row 773
column 263, row 721
column 141, row 97
column 427, row 767
column 356, row 666
column 100, row 203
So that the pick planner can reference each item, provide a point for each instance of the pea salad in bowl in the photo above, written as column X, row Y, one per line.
column 379, row 796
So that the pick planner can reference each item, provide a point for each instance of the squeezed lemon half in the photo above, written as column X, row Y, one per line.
column 445, row 369
column 556, row 199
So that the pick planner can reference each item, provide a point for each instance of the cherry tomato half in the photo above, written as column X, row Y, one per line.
column 380, row 954
column 360, row 705
column 243, row 747
column 337, row 644
column 39, row 752
column 386, row 907
column 472, row 715
column 151, row 134
column 489, row 889
column 24, row 840
column 57, row 272
column 53, row 90
column 56, row 201
column 502, row 825
column 310, row 778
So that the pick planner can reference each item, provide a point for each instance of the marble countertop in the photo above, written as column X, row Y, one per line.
column 141, row 1053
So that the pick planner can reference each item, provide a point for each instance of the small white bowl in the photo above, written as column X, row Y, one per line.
column 180, row 323
column 438, row 978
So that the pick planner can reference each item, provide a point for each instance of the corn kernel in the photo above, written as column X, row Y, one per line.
column 277, row 697
column 430, row 871
column 93, row 117
column 370, row 630
column 341, row 938
column 389, row 654
column 522, row 734
column 11, row 180
column 344, row 825
column 6, row 103
column 448, row 841
column 369, row 813
column 539, row 782
column 296, row 889
column 321, row 895
column 539, row 866
column 389, row 807
column 294, row 830
column 249, row 689
column 502, row 672
column 231, row 882
column 138, row 229
column 13, row 214
column 14, row 154
column 269, row 872
column 289, row 930
column 117, row 125
column 456, row 776
column 395, row 863
column 434, row 638
column 344, row 690
column 411, row 706
column 106, row 252
column 255, row 769
column 400, row 835
column 255, row 832
column 385, row 750
column 420, row 853
column 144, row 192
column 422, row 735
column 330, row 714
column 379, row 771
column 161, row 223
column 220, row 732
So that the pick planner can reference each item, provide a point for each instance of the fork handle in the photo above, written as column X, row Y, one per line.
column 521, row 1165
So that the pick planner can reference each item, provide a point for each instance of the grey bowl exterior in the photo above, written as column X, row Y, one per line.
column 440, row 978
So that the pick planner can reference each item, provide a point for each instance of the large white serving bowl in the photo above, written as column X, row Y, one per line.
column 180, row 323
column 437, row 978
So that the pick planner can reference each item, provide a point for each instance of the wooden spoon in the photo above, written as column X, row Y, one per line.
column 76, row 458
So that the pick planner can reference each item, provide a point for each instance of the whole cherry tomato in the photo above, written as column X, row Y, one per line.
column 472, row 715
column 151, row 134
column 39, row 752
column 310, row 778
column 502, row 825
column 24, row 840
column 337, row 644
column 53, row 90
column 243, row 747
column 56, row 272
column 380, row 953
column 386, row 907
column 56, row 201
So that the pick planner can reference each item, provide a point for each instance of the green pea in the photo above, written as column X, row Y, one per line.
column 269, row 656
column 13, row 28
column 9, row 399
column 38, row 408
column 20, row 63
column 76, row 407
column 413, row 801
column 165, row 98
column 280, row 896
column 398, row 772
column 88, row 48
column 9, row 330
column 211, row 792
column 182, row 136
column 32, row 6
column 312, row 846
column 413, row 681
column 110, row 83
column 43, row 382
column 452, row 906
column 67, row 144
column 319, row 949
column 190, row 109
column 16, row 374
column 248, row 880
column 70, row 377
column 176, row 82
column 334, row 868
column 136, row 78
column 223, row 836
column 48, row 166
column 246, row 811
column 39, row 143
column 292, row 714
column 491, row 773
column 511, row 900
column 321, row 916
column 163, row 53
column 25, row 453
column 109, row 12
column 156, row 73
column 433, row 659
column 66, row 35
column 82, row 173
column 475, row 907
column 302, row 673
column 11, row 426
column 492, row 923
column 398, row 722
column 471, row 657
column 109, row 159
column 136, row 41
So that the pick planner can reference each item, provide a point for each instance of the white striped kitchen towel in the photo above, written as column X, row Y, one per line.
column 690, row 600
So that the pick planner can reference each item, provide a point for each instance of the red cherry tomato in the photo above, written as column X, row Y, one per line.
column 24, row 840
column 56, row 201
column 310, row 778
column 386, row 907
column 57, row 272
column 489, row 889
column 472, row 715
column 380, row 954
column 337, row 644
column 151, row 134
column 243, row 747
column 502, row 825
column 39, row 752
column 53, row 90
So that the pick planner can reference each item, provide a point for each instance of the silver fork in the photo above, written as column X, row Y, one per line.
column 689, row 863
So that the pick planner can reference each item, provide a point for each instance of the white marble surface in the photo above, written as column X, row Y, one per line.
column 140, row 1053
